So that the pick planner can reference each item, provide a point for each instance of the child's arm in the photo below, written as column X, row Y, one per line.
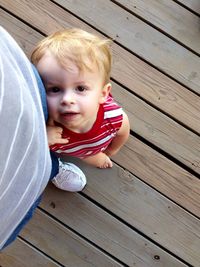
column 100, row 160
column 121, row 137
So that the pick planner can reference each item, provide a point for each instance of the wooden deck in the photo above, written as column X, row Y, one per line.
column 145, row 211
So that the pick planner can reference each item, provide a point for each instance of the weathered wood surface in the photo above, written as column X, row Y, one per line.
column 126, row 29
column 139, row 37
column 145, row 211
column 193, row 5
column 97, row 225
column 20, row 254
column 180, row 24
column 71, row 250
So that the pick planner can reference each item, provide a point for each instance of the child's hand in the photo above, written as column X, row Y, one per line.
column 54, row 134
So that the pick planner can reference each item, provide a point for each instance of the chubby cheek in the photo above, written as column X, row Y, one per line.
column 52, row 107
column 90, row 107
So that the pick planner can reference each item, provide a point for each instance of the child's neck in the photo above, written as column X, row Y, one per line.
column 86, row 127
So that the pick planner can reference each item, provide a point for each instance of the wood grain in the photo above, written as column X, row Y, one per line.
column 20, row 254
column 147, row 211
column 71, row 250
column 126, row 29
column 194, row 5
column 140, row 206
column 160, row 173
column 160, row 129
column 140, row 38
column 105, row 231
column 177, row 24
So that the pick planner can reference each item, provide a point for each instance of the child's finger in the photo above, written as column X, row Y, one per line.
column 62, row 141
column 59, row 130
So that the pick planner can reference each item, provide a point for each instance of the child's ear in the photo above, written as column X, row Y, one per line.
column 105, row 92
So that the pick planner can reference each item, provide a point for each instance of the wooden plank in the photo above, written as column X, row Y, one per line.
column 25, row 36
column 104, row 230
column 155, row 127
column 156, row 88
column 169, row 17
column 20, row 254
column 194, row 5
column 160, row 130
column 45, row 16
column 133, row 34
column 62, row 244
column 120, row 25
column 146, row 210
column 161, row 174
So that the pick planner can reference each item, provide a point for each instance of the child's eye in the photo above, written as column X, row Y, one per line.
column 53, row 90
column 81, row 88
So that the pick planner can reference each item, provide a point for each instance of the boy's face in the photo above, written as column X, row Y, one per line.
column 73, row 97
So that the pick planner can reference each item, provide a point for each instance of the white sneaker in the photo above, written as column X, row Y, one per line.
column 69, row 178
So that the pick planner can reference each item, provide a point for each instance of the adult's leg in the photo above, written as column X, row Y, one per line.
column 25, row 164
column 54, row 171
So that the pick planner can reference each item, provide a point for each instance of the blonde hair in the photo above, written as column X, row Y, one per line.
column 82, row 48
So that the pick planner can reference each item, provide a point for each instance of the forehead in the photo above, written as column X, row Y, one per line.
column 54, row 72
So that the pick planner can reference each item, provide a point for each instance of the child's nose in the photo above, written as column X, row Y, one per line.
column 68, row 97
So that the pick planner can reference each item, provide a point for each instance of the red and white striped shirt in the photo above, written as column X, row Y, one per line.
column 108, row 122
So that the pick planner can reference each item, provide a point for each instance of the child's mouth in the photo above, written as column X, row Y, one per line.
column 69, row 115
